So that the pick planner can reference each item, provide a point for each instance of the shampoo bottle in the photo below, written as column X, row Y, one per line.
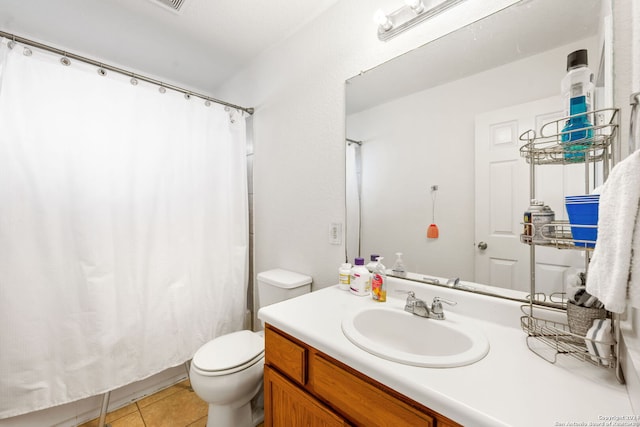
column 360, row 283
column 379, row 282
column 578, row 81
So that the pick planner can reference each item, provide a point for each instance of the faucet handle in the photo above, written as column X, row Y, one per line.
column 411, row 301
column 437, row 300
column 436, row 307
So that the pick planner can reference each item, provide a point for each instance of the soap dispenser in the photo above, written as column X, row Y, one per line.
column 398, row 267
column 371, row 265
column 379, row 282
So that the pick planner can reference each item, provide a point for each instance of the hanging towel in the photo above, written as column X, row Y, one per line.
column 614, row 271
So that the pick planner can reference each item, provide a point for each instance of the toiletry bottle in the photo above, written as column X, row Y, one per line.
column 371, row 265
column 578, row 81
column 360, row 282
column 379, row 282
column 398, row 268
column 577, row 94
column 344, row 276
column 577, row 132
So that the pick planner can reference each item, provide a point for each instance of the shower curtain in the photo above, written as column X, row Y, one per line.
column 354, row 199
column 123, row 229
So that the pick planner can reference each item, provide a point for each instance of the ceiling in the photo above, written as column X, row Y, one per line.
column 199, row 48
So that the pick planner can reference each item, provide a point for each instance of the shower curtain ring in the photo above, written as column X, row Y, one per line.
column 161, row 89
column 12, row 42
column 64, row 60
column 102, row 71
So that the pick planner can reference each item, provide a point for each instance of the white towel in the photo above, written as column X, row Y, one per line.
column 599, row 340
column 614, row 272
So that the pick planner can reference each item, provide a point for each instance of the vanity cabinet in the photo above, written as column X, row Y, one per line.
column 303, row 386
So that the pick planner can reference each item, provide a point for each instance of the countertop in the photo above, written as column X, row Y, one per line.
column 511, row 386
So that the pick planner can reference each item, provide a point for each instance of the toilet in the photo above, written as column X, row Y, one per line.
column 227, row 371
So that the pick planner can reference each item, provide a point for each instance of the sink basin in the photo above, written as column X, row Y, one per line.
column 394, row 334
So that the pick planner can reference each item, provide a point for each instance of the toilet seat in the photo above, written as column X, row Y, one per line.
column 229, row 353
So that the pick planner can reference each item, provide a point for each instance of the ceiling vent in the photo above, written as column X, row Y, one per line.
column 173, row 5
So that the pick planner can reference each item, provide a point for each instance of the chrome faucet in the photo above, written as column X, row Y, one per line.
column 453, row 282
column 419, row 307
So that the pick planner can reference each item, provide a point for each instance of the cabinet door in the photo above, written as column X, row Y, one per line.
column 286, row 405
column 361, row 402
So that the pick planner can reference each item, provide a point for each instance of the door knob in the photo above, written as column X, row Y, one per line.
column 482, row 246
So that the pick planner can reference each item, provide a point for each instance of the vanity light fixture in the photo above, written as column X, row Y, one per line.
column 416, row 5
column 412, row 13
column 383, row 21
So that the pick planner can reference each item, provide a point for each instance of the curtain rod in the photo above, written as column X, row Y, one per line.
column 23, row 40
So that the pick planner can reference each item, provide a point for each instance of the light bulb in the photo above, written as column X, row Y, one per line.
column 382, row 20
column 416, row 5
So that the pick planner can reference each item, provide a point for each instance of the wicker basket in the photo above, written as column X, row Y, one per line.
column 581, row 319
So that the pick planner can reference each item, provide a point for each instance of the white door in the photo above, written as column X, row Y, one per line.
column 502, row 196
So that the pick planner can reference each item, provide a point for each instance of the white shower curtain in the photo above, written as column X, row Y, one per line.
column 354, row 196
column 123, row 229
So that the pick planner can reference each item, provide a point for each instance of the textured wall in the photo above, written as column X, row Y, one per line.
column 297, row 88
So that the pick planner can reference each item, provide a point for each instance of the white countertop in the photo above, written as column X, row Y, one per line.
column 511, row 386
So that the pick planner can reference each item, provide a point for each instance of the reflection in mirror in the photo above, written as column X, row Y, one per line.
column 449, row 115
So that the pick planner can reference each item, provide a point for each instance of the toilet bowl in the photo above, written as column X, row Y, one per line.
column 227, row 371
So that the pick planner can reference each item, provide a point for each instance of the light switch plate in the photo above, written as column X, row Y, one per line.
column 335, row 233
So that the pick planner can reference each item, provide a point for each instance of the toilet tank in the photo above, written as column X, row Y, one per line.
column 279, row 285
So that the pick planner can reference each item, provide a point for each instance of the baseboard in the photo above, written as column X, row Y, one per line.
column 76, row 413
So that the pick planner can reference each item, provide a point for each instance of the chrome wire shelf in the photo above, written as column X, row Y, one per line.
column 546, row 322
column 557, row 337
column 548, row 148
column 557, row 234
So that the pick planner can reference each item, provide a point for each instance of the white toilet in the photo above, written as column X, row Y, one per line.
column 227, row 371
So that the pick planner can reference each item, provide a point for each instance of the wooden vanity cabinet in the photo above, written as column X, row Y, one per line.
column 305, row 387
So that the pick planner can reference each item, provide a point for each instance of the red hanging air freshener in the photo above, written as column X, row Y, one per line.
column 432, row 231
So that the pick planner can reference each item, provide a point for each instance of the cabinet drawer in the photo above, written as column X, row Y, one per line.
column 360, row 402
column 289, row 357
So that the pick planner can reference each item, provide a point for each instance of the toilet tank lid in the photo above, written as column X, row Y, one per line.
column 284, row 278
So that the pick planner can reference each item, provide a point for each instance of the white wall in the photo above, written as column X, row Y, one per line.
column 297, row 89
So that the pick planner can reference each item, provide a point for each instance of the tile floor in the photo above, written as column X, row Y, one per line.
column 176, row 406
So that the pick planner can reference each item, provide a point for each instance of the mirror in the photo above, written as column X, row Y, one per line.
column 418, row 152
